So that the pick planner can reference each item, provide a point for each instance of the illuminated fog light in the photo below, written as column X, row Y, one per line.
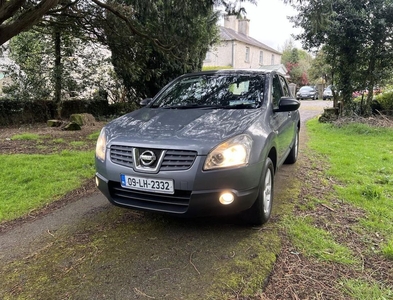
column 226, row 198
column 97, row 181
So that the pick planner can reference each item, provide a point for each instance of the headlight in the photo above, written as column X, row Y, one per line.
column 101, row 146
column 233, row 152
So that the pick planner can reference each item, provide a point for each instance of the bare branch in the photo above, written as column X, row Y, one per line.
column 9, row 8
column 26, row 20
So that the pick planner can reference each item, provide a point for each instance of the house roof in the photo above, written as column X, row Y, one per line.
column 227, row 34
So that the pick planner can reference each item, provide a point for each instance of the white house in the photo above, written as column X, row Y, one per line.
column 238, row 50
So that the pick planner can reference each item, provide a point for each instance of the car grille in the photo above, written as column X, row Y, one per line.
column 174, row 160
column 176, row 203
column 121, row 155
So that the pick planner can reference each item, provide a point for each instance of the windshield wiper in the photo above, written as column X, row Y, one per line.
column 238, row 106
column 188, row 106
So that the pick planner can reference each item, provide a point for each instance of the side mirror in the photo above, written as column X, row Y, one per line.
column 287, row 104
column 145, row 102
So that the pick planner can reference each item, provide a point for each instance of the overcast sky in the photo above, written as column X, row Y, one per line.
column 269, row 23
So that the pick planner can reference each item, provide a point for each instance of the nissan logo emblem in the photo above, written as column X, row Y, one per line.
column 147, row 158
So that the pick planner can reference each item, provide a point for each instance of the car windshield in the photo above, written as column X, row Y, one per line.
column 214, row 91
column 306, row 89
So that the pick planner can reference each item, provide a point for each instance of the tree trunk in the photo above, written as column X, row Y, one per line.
column 58, row 71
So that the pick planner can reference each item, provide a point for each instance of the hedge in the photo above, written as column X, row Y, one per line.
column 13, row 112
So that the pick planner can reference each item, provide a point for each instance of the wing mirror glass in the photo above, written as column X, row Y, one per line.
column 287, row 104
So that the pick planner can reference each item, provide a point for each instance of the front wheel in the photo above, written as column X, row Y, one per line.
column 259, row 213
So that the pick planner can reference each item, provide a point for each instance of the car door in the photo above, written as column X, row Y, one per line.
column 281, row 122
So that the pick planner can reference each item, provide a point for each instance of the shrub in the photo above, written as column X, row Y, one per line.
column 385, row 100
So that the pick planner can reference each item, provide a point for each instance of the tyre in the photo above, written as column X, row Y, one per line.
column 259, row 213
column 293, row 154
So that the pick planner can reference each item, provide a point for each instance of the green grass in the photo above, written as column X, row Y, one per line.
column 58, row 141
column 316, row 242
column 361, row 159
column 30, row 182
column 77, row 143
column 358, row 289
column 26, row 136
column 93, row 136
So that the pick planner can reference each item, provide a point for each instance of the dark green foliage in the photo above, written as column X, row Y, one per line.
column 185, row 30
column 25, row 112
column 39, row 111
column 384, row 103
column 94, row 107
column 356, row 35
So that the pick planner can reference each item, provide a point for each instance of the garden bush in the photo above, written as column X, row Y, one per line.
column 385, row 101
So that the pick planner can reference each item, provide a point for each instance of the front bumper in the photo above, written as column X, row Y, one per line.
column 186, row 203
column 196, row 195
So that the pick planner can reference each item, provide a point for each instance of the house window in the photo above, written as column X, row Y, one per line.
column 261, row 57
column 272, row 63
column 247, row 54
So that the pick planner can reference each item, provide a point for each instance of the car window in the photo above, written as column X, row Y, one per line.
column 285, row 87
column 218, row 90
column 305, row 89
column 276, row 91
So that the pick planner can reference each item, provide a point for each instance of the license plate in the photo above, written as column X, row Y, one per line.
column 147, row 184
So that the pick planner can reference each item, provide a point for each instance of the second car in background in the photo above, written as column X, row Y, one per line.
column 327, row 93
column 307, row 92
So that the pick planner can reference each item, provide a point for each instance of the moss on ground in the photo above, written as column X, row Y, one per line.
column 120, row 252
column 124, row 254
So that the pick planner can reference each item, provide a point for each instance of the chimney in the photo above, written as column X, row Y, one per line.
column 230, row 21
column 244, row 26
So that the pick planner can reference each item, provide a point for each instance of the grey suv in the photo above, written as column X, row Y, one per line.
column 208, row 143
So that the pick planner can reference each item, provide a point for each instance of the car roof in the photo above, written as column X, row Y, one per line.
column 232, row 71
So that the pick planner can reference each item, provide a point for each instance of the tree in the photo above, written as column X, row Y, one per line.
column 84, row 67
column 357, row 40
column 140, row 63
column 149, row 47
column 297, row 62
column 320, row 69
column 31, row 71
column 17, row 16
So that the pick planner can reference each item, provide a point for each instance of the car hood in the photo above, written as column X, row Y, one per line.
column 197, row 129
